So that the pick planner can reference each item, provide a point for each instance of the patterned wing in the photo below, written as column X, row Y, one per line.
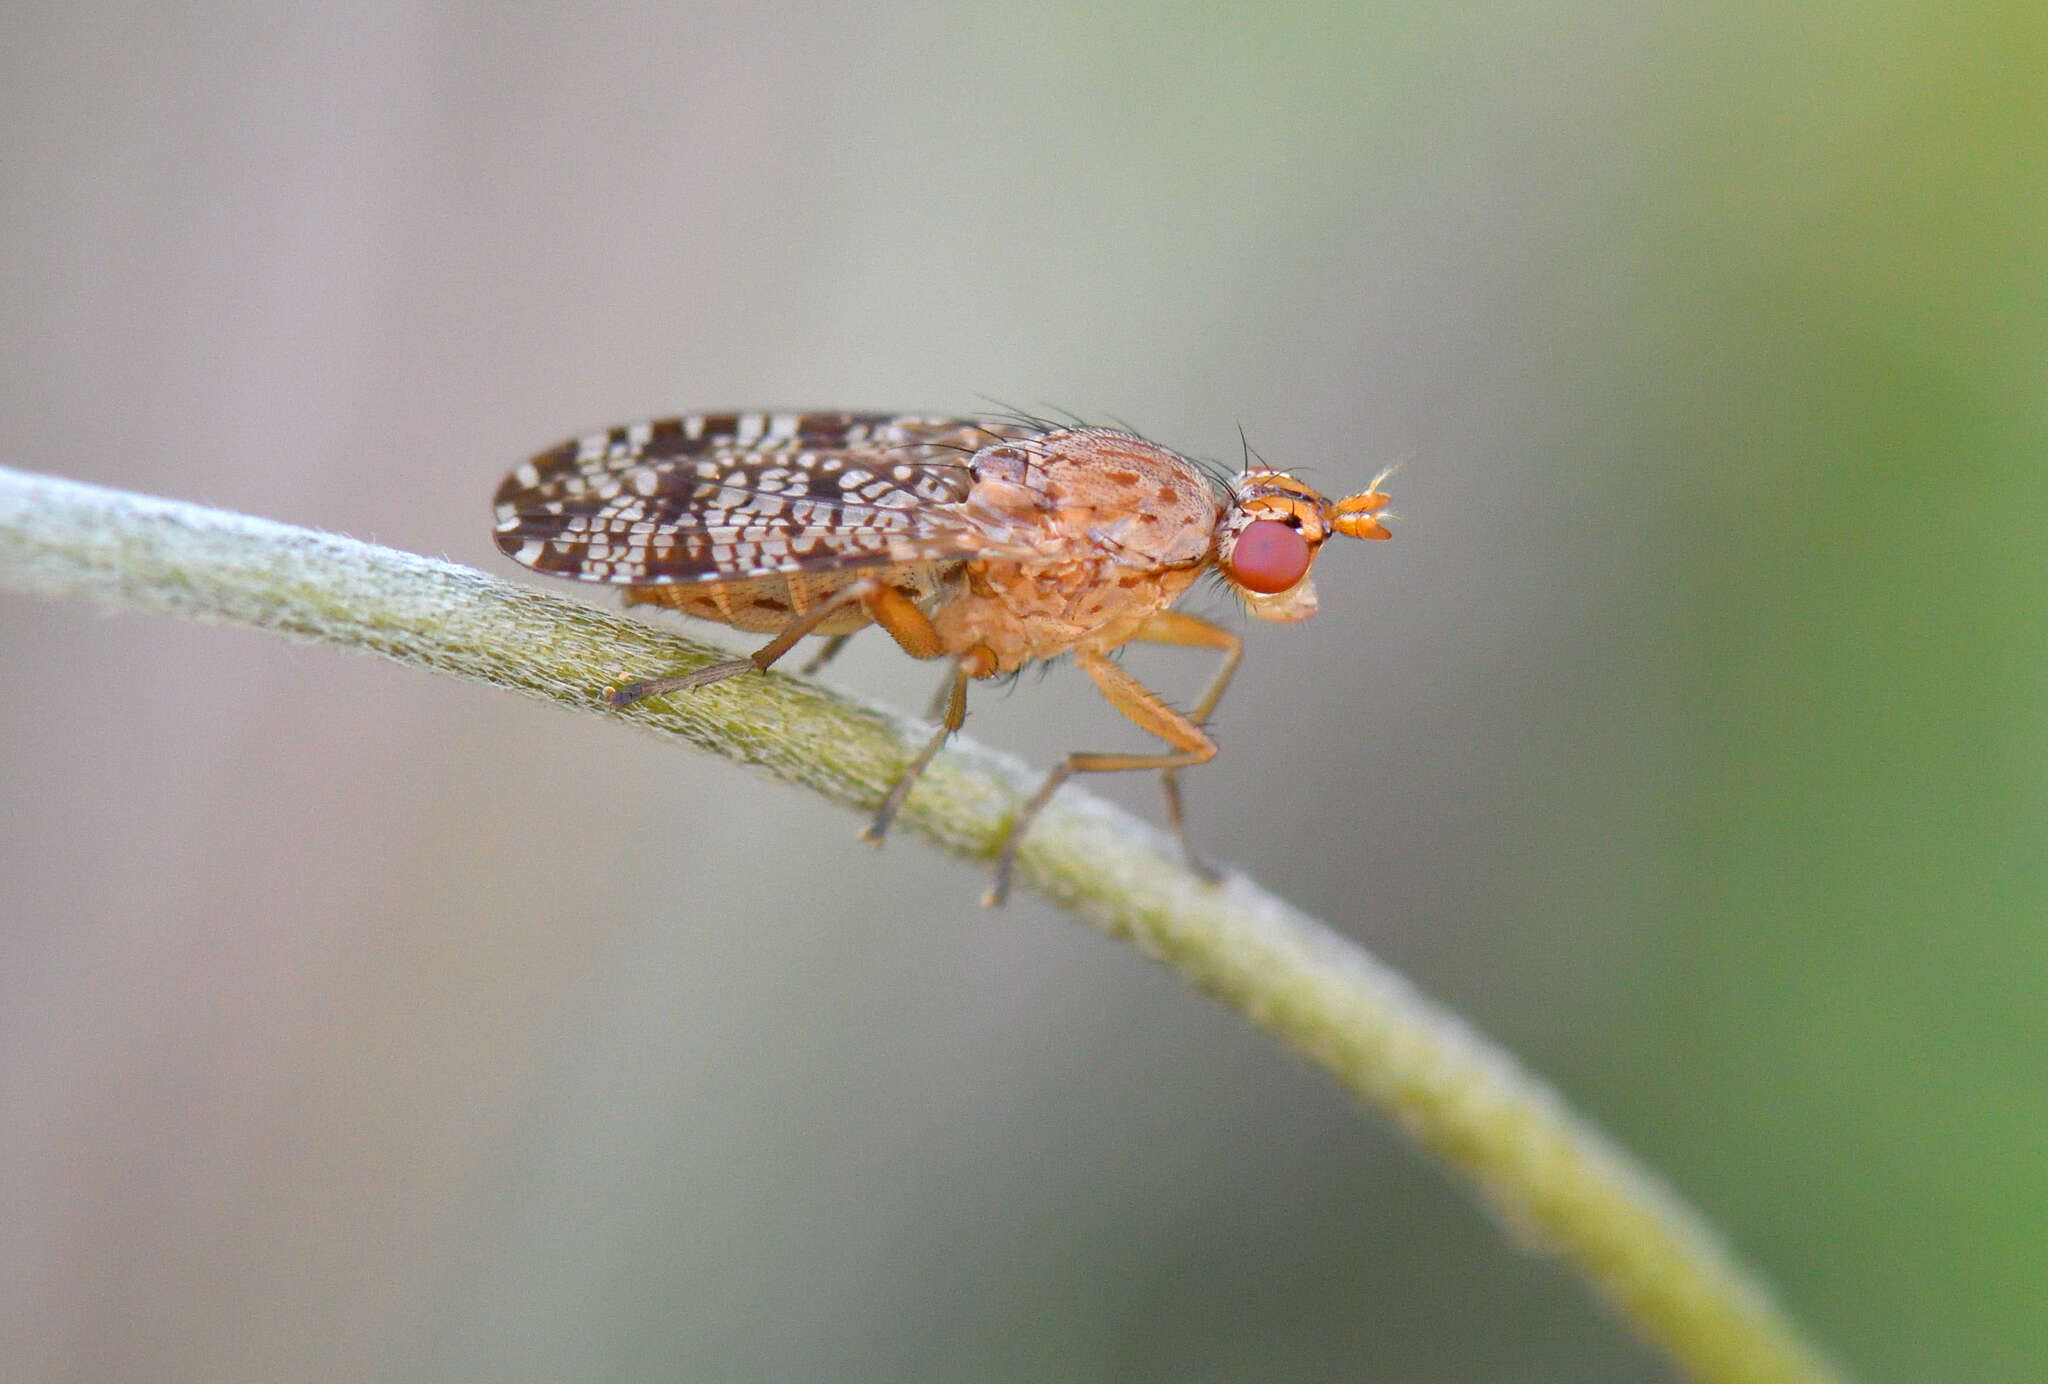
column 726, row 497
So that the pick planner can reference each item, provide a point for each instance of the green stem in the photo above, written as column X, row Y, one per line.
column 1549, row 1175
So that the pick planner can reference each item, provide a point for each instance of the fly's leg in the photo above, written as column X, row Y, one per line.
column 833, row 644
column 1193, row 632
column 950, row 710
column 1191, row 745
column 942, row 699
column 885, row 605
column 909, row 626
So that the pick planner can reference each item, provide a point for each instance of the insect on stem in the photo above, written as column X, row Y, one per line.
column 995, row 543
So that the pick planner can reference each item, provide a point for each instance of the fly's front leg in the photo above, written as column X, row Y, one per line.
column 1192, row 631
column 885, row 605
column 1191, row 745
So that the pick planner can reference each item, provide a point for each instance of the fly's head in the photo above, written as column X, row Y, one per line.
column 1272, row 530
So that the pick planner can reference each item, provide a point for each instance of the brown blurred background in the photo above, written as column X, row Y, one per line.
column 1688, row 738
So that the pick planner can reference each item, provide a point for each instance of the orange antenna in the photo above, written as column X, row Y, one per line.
column 1358, row 515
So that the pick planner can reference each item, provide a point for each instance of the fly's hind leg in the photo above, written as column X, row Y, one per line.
column 886, row 606
column 911, row 628
column 1191, row 745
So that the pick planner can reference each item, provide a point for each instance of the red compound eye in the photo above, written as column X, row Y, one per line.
column 1269, row 557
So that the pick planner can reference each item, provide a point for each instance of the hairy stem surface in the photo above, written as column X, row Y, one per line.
column 1554, row 1179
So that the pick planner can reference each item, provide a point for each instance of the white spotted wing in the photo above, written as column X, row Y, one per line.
column 729, row 497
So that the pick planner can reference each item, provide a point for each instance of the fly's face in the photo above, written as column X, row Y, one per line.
column 1272, row 531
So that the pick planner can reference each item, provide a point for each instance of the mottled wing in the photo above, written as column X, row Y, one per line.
column 725, row 497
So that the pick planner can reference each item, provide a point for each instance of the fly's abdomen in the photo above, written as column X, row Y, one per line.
column 768, row 604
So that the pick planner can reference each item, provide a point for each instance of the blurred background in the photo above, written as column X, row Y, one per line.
column 1689, row 738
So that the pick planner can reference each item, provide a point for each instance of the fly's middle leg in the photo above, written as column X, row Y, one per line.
column 1191, row 745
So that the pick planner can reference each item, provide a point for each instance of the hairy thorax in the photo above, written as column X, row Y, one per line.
column 1022, row 612
column 1117, row 528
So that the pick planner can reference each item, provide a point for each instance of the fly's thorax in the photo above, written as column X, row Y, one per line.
column 1077, row 492
column 1023, row 611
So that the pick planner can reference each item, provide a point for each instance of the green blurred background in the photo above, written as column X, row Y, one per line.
column 1689, row 738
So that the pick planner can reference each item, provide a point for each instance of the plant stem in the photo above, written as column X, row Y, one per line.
column 1554, row 1179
